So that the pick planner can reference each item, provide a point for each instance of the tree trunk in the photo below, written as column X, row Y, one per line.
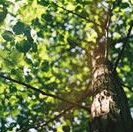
column 109, row 110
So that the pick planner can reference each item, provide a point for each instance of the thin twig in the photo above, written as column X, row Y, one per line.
column 108, row 22
column 74, row 13
column 40, row 126
column 55, row 118
column 85, row 94
column 112, row 42
column 42, row 92
column 124, row 45
column 107, row 31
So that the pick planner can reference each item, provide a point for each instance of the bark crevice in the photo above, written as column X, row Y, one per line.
column 109, row 109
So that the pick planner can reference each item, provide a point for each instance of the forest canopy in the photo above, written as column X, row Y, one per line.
column 45, row 60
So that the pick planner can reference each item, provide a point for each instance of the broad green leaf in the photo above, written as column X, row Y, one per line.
column 66, row 128
column 124, row 5
column 7, row 35
column 2, row 89
column 44, row 3
column 23, row 46
column 45, row 66
column 19, row 28
column 3, row 13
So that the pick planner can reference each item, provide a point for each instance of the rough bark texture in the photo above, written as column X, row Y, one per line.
column 109, row 110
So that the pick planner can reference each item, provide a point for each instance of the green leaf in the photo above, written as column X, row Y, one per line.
column 19, row 28
column 85, row 14
column 124, row 5
column 15, row 112
column 2, row 1
column 27, row 33
column 72, row 43
column 47, row 17
column 34, row 47
column 2, row 89
column 79, row 7
column 3, row 13
column 13, row 100
column 45, row 66
column 53, row 6
column 42, row 2
column 66, row 128
column 23, row 46
column 13, row 89
column 7, row 35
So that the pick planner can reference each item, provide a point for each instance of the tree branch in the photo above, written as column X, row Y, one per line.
column 40, row 126
column 108, row 21
column 55, row 118
column 124, row 45
column 69, row 11
column 87, row 92
column 42, row 92
column 112, row 42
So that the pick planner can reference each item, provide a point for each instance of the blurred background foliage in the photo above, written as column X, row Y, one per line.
column 47, row 44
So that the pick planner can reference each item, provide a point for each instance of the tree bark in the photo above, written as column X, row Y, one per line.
column 109, row 109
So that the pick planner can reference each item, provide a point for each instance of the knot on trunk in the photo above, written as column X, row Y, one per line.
column 103, row 104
